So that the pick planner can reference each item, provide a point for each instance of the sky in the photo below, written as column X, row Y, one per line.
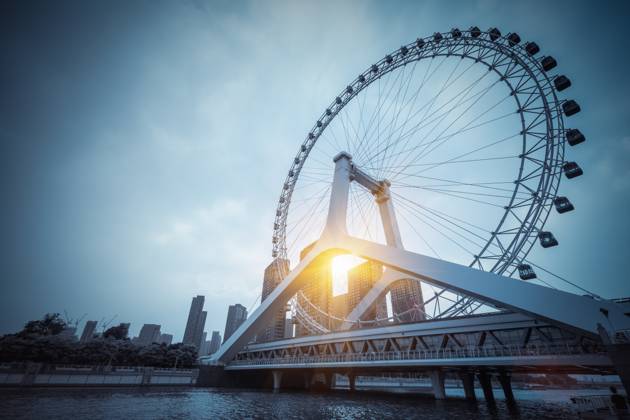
column 144, row 144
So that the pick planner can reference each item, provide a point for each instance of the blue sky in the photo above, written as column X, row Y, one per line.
column 144, row 144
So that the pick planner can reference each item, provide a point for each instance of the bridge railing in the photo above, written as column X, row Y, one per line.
column 422, row 354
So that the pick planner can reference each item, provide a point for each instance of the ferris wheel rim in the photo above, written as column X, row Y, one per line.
column 448, row 45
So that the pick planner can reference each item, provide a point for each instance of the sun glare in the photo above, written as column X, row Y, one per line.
column 340, row 267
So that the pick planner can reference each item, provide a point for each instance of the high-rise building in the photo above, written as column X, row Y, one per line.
column 124, row 326
column 339, row 308
column 200, row 335
column 215, row 342
column 361, row 279
column 204, row 348
column 68, row 333
column 407, row 300
column 237, row 314
column 317, row 294
column 165, row 339
column 288, row 328
column 149, row 334
column 192, row 333
column 88, row 331
column 274, row 274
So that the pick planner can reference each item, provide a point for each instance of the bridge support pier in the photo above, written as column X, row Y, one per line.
column 308, row 380
column 352, row 380
column 486, row 385
column 437, row 383
column 468, row 381
column 277, row 379
column 329, row 378
column 506, row 383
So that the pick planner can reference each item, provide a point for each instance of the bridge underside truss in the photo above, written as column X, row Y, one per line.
column 503, row 341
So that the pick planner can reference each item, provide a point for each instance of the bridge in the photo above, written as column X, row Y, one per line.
column 537, row 329
column 515, row 326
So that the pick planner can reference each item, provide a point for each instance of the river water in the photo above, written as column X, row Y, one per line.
column 184, row 403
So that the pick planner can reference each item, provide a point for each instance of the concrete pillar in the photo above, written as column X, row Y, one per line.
column 277, row 379
column 352, row 380
column 437, row 383
column 620, row 356
column 486, row 385
column 328, row 378
column 506, row 383
column 468, row 381
column 308, row 379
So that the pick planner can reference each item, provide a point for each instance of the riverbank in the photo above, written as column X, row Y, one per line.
column 41, row 375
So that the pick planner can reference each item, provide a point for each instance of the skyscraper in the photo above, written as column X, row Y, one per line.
column 407, row 295
column 237, row 314
column 124, row 326
column 200, row 335
column 165, row 339
column 194, row 318
column 88, row 331
column 215, row 342
column 274, row 274
column 317, row 294
column 149, row 334
column 360, row 280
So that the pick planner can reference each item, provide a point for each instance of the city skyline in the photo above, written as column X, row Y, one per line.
column 149, row 240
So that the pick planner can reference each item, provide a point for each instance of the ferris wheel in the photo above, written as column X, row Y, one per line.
column 468, row 129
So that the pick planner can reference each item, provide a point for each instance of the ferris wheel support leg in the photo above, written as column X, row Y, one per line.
column 338, row 208
column 574, row 312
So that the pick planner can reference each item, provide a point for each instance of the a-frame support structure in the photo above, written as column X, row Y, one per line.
column 578, row 313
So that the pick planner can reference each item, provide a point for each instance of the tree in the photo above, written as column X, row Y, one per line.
column 51, row 324
column 119, row 332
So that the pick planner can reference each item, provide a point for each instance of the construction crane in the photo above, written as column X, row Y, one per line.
column 105, row 324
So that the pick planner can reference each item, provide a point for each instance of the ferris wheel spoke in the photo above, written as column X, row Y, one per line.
column 377, row 128
column 449, row 136
column 375, row 116
column 412, row 101
column 400, row 104
column 422, row 153
column 423, row 220
column 465, row 127
column 434, row 116
column 433, row 121
column 441, row 213
column 422, row 238
column 457, row 159
column 369, row 134
column 425, row 213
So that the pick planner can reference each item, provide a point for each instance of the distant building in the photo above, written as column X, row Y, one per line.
column 150, row 333
column 204, row 348
column 165, row 339
column 200, row 335
column 339, row 308
column 361, row 279
column 317, row 294
column 288, row 328
column 69, row 333
column 215, row 342
column 407, row 300
column 237, row 314
column 196, row 317
column 88, row 331
column 125, row 328
column 274, row 274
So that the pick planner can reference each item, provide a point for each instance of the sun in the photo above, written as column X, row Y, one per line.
column 341, row 264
